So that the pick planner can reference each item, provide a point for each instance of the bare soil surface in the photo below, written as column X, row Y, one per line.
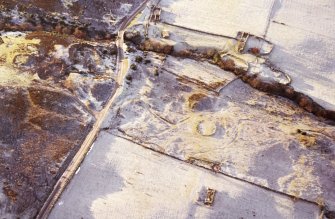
column 267, row 135
column 242, row 132
column 198, row 93
column 57, row 64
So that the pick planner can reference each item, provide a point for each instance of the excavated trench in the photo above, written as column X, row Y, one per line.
column 255, row 81
column 176, row 134
column 22, row 175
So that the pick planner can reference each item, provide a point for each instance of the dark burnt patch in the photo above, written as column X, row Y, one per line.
column 83, row 58
column 57, row 124
column 82, row 19
column 84, row 55
column 54, row 70
column 37, row 134
column 14, row 109
column 49, row 40
column 53, row 101
column 44, row 122
column 102, row 91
